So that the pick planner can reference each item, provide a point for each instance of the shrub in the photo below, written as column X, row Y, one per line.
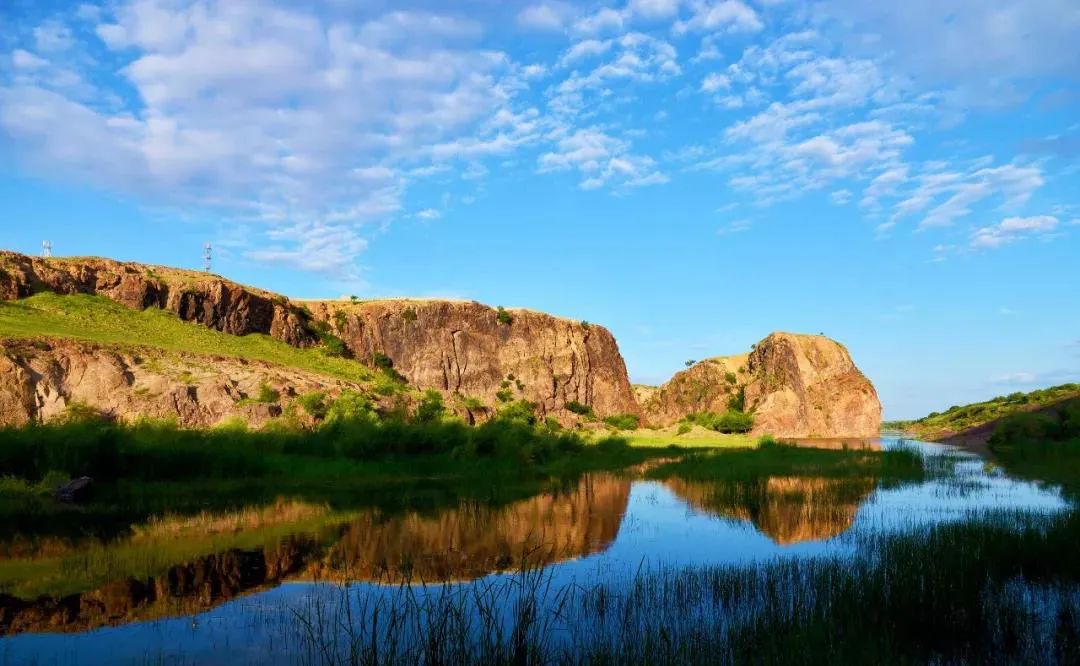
column 350, row 406
column 623, row 421
column 684, row 428
column 519, row 411
column 578, row 408
column 431, row 407
column 730, row 377
column 314, row 404
column 737, row 402
column 80, row 412
column 340, row 319
column 267, row 393
column 733, row 421
column 382, row 361
column 689, row 362
column 503, row 317
column 409, row 315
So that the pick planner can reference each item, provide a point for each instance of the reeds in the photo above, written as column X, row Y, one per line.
column 996, row 590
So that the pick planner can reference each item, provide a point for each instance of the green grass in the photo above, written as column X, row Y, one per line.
column 697, row 437
column 773, row 459
column 958, row 418
column 98, row 319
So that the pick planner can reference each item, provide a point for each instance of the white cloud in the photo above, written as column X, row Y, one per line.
column 956, row 192
column 631, row 58
column 604, row 20
column 1011, row 229
column 21, row 59
column 429, row 214
column 653, row 9
column 601, row 160
column 729, row 15
column 545, row 16
column 884, row 184
column 715, row 82
column 52, row 36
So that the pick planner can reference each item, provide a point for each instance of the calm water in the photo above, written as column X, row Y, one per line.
column 236, row 605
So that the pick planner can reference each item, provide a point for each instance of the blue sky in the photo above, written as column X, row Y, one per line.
column 692, row 174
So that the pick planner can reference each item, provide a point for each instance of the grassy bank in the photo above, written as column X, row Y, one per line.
column 696, row 437
column 771, row 458
column 1043, row 446
column 963, row 417
column 98, row 319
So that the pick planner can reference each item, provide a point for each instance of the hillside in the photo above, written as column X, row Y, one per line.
column 478, row 356
column 61, row 352
column 973, row 424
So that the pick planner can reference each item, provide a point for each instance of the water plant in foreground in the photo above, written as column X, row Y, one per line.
column 914, row 597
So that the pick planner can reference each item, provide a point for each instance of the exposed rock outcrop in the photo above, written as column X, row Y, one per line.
column 198, row 297
column 462, row 347
column 456, row 347
column 41, row 379
column 795, row 386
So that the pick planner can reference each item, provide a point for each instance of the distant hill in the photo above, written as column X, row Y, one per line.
column 974, row 423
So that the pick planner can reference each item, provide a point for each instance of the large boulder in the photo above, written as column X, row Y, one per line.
column 795, row 386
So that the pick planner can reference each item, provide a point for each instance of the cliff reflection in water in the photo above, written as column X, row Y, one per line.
column 787, row 509
column 475, row 540
column 463, row 543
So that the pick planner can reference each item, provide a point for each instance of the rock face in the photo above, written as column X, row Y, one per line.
column 795, row 385
column 462, row 348
column 456, row 347
column 198, row 297
column 41, row 379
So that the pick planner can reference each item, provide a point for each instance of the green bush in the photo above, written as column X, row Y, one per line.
column 409, row 315
column 521, row 411
column 623, row 421
column 431, row 407
column 382, row 361
column 267, row 394
column 684, row 428
column 503, row 317
column 578, row 408
column 737, row 402
column 314, row 404
column 733, row 421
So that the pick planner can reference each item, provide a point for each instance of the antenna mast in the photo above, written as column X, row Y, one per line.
column 46, row 248
column 208, row 254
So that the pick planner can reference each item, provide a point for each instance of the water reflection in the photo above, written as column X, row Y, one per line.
column 475, row 540
column 462, row 543
column 788, row 509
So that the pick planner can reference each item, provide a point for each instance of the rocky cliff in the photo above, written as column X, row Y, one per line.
column 40, row 379
column 198, row 297
column 795, row 386
column 468, row 349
